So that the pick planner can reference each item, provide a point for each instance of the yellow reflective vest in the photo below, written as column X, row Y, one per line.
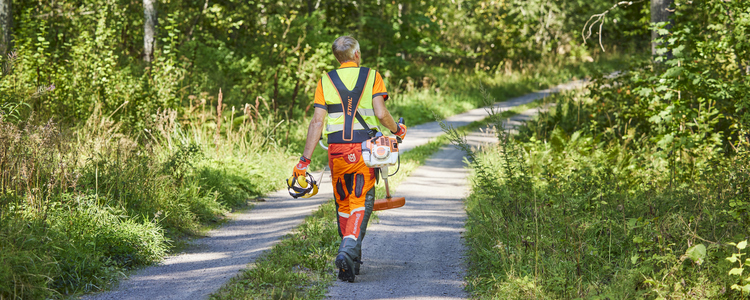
column 347, row 90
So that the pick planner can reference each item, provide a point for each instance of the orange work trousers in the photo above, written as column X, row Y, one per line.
column 353, row 184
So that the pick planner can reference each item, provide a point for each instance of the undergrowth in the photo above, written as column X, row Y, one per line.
column 557, row 213
column 80, row 207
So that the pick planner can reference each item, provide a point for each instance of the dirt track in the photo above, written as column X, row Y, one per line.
column 415, row 252
column 211, row 261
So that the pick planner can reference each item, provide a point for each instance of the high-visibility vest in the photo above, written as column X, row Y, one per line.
column 341, row 124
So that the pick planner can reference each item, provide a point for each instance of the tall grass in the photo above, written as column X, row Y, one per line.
column 558, row 214
column 78, row 206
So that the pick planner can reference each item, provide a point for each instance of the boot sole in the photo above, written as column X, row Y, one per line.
column 345, row 271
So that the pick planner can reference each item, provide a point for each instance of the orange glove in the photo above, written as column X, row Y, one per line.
column 401, row 132
column 301, row 168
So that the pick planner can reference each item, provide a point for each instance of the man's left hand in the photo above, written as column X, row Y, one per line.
column 401, row 132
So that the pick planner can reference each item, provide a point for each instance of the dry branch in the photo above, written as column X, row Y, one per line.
column 599, row 18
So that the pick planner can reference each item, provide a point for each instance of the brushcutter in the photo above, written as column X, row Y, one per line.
column 382, row 152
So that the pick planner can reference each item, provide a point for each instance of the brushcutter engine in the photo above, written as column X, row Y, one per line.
column 380, row 151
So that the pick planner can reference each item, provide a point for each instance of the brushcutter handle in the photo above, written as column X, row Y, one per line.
column 400, row 121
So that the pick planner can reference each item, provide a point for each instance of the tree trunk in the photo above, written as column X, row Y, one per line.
column 659, row 13
column 149, row 29
column 6, row 24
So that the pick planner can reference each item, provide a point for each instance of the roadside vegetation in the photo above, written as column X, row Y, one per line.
column 636, row 188
column 300, row 266
column 113, row 153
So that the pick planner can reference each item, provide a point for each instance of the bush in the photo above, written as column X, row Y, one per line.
column 585, row 213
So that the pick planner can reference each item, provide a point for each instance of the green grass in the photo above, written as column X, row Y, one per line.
column 99, row 204
column 158, row 189
column 564, row 215
column 300, row 266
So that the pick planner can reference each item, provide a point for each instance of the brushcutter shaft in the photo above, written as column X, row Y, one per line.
column 384, row 175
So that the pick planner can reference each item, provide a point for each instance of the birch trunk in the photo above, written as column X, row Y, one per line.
column 149, row 29
column 659, row 13
column 6, row 24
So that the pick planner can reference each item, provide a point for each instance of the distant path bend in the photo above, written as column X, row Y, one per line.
column 211, row 261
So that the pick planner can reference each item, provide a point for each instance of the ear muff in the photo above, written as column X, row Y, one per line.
column 314, row 191
column 302, row 186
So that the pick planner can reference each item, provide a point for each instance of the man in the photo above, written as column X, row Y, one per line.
column 344, row 99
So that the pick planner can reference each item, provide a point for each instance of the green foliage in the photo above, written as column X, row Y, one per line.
column 737, row 258
column 627, row 190
column 148, row 148
column 78, row 208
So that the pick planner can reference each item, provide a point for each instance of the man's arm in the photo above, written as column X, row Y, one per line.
column 314, row 131
column 378, row 104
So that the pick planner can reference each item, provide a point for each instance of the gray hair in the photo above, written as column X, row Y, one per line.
column 344, row 48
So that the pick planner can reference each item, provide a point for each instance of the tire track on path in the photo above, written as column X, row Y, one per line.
column 209, row 262
column 416, row 251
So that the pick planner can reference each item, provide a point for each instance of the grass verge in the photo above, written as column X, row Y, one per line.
column 558, row 212
column 300, row 266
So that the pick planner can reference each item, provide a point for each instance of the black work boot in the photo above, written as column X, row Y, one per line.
column 346, row 267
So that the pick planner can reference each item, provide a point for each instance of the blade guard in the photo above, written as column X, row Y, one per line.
column 389, row 203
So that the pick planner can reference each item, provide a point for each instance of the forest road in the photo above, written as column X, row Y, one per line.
column 209, row 262
column 416, row 251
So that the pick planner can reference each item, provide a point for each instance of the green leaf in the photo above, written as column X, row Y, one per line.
column 634, row 258
column 736, row 271
column 742, row 245
column 697, row 253
column 674, row 72
column 644, row 92
column 678, row 50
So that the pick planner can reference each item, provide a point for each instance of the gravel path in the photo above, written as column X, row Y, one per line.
column 415, row 252
column 211, row 261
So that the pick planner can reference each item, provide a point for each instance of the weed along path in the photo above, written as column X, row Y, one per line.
column 211, row 261
column 415, row 252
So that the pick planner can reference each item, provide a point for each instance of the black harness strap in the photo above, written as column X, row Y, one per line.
column 350, row 101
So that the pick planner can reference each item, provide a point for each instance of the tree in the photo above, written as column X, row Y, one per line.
column 6, row 24
column 659, row 13
column 149, row 29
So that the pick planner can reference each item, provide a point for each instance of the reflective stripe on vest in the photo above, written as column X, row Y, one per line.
column 342, row 126
column 335, row 111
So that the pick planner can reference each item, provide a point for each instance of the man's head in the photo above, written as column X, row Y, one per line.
column 346, row 48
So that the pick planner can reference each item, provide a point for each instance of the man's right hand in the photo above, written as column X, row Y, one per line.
column 401, row 132
column 300, row 169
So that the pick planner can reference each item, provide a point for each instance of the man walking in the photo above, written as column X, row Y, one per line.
column 349, row 105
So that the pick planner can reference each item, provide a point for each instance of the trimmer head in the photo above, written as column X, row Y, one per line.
column 388, row 203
